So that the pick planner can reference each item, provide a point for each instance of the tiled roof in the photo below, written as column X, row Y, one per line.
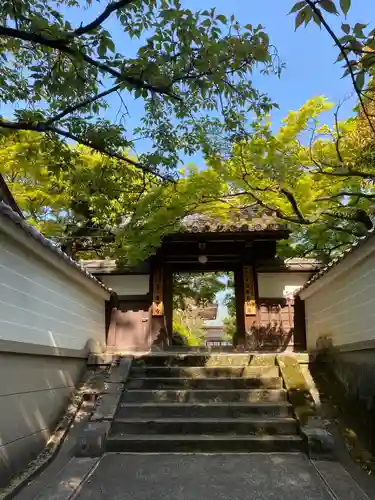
column 334, row 262
column 303, row 264
column 237, row 222
column 6, row 211
column 109, row 266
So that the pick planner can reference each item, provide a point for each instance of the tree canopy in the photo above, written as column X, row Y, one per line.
column 71, row 195
column 316, row 178
column 192, row 74
column 191, row 71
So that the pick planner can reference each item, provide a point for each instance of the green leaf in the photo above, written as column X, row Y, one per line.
column 368, row 61
column 221, row 18
column 356, row 46
column 360, row 80
column 308, row 16
column 358, row 30
column 329, row 6
column 304, row 15
column 316, row 18
column 340, row 57
column 345, row 28
column 102, row 49
column 299, row 19
column 298, row 6
column 345, row 6
column 111, row 45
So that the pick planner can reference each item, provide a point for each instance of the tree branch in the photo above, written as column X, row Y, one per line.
column 111, row 7
column 337, row 142
column 313, row 5
column 82, row 104
column 294, row 204
column 62, row 46
column 43, row 127
column 360, row 217
column 277, row 189
column 348, row 174
column 345, row 193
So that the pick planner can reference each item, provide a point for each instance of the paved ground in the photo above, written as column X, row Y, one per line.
column 202, row 477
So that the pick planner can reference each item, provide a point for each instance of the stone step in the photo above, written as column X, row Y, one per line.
column 205, row 396
column 205, row 383
column 207, row 359
column 203, row 410
column 204, row 371
column 147, row 443
column 236, row 426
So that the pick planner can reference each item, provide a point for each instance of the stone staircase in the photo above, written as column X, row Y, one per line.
column 204, row 403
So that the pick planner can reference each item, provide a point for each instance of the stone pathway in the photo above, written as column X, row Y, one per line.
column 201, row 474
column 121, row 476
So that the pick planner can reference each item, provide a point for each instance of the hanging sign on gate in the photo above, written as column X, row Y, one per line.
column 250, row 304
column 157, row 293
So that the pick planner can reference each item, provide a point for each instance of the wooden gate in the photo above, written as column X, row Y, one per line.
column 273, row 328
column 129, row 329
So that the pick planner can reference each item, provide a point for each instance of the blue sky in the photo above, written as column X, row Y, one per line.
column 308, row 53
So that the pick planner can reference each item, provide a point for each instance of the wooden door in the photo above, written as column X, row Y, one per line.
column 130, row 326
column 276, row 325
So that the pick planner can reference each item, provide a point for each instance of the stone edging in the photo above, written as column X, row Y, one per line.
column 92, row 441
column 319, row 440
column 55, row 442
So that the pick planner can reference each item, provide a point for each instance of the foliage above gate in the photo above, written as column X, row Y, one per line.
column 321, row 187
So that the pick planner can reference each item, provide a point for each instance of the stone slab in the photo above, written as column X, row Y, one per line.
column 113, row 388
column 205, row 396
column 120, row 373
column 205, row 477
column 213, row 383
column 339, row 481
column 91, row 442
column 106, row 406
column 68, row 480
column 319, row 440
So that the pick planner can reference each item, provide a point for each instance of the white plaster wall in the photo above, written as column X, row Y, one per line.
column 40, row 305
column 343, row 308
column 273, row 285
column 130, row 284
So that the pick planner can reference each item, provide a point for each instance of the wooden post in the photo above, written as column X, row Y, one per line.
column 159, row 332
column 168, row 302
column 256, row 296
column 157, row 293
column 251, row 301
column 240, row 335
